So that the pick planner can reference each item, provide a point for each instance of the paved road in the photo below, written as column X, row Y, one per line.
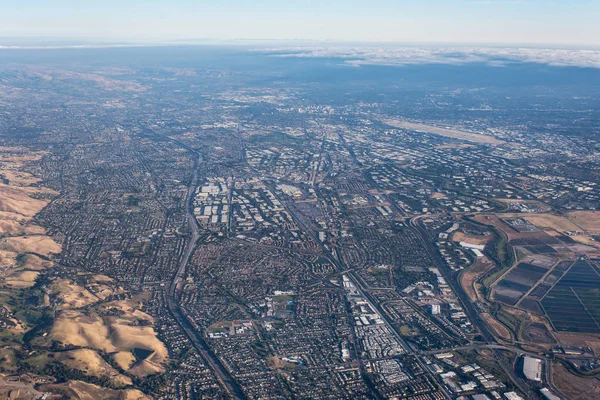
column 224, row 378
column 354, row 280
column 471, row 311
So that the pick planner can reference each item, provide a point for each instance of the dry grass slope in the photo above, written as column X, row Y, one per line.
column 90, row 362
column 119, row 335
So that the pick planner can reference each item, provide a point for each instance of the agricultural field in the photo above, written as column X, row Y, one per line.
column 520, row 280
column 547, row 233
column 573, row 304
column 541, row 245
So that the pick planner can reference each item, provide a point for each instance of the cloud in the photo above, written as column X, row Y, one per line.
column 398, row 55
column 408, row 55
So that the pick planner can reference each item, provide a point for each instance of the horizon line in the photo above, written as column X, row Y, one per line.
column 59, row 42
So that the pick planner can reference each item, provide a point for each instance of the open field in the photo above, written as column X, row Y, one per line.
column 102, row 291
column 553, row 234
column 13, row 227
column 71, row 296
column 574, row 387
column 552, row 222
column 19, row 200
column 114, row 335
column 91, row 364
column 579, row 339
column 499, row 330
column 538, row 333
column 526, row 325
column 19, row 203
column 544, row 221
column 34, row 262
column 556, row 225
column 19, row 178
column 124, row 359
column 587, row 220
column 78, row 390
column 472, row 239
column 453, row 146
column 532, row 204
column 39, row 244
column 438, row 195
column 448, row 132
column 77, row 329
column 21, row 279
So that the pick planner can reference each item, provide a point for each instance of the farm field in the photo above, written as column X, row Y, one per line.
column 517, row 282
column 573, row 304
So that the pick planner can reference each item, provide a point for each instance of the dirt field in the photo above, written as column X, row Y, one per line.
column 579, row 339
column 586, row 220
column 469, row 277
column 499, row 330
column 586, row 244
column 18, row 390
column 551, row 225
column 554, row 222
column 538, row 333
column 453, row 133
column 556, row 225
column 472, row 239
column 574, row 387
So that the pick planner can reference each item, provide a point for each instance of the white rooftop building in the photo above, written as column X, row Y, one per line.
column 549, row 395
column 532, row 368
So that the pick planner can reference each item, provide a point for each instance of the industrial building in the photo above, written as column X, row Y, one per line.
column 532, row 368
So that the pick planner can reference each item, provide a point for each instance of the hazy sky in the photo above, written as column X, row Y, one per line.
column 561, row 22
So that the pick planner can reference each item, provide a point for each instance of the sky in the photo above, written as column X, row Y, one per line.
column 543, row 22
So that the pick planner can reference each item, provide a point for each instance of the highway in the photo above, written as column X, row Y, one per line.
column 471, row 312
column 224, row 378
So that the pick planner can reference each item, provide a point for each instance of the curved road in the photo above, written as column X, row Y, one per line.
column 471, row 312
